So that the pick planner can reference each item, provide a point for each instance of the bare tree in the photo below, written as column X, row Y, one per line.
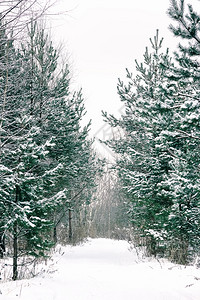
column 16, row 14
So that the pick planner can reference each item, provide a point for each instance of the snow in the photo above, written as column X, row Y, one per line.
column 104, row 269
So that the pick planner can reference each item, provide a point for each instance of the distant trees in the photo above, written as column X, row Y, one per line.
column 158, row 152
column 47, row 165
column 107, row 211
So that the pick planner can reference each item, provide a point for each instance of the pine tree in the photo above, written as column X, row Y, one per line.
column 3, row 50
column 72, row 150
column 25, row 208
column 47, row 165
column 158, row 156
column 9, row 110
column 184, row 221
column 23, row 204
column 142, row 161
column 58, row 111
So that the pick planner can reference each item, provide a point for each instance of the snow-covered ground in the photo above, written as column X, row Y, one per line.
column 103, row 269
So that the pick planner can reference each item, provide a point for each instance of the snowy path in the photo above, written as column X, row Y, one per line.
column 106, row 270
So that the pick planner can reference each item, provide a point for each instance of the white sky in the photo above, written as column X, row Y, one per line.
column 104, row 37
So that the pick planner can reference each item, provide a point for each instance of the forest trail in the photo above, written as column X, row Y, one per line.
column 104, row 269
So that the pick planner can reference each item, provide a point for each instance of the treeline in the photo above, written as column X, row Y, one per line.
column 158, row 149
column 48, row 169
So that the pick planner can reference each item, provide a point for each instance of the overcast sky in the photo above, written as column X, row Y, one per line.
column 103, row 37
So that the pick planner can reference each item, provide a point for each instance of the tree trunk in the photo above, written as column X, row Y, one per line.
column 2, row 244
column 55, row 235
column 70, row 225
column 15, row 246
column 15, row 239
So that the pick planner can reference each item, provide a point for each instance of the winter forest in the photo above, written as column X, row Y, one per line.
column 55, row 188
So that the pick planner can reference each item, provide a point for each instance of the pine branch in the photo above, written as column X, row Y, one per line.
column 188, row 135
column 189, row 96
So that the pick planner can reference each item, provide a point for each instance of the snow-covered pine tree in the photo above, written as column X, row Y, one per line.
column 73, row 150
column 184, row 219
column 58, row 111
column 3, row 71
column 23, row 203
column 9, row 108
column 142, row 154
column 46, row 157
column 40, row 64
column 158, row 159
